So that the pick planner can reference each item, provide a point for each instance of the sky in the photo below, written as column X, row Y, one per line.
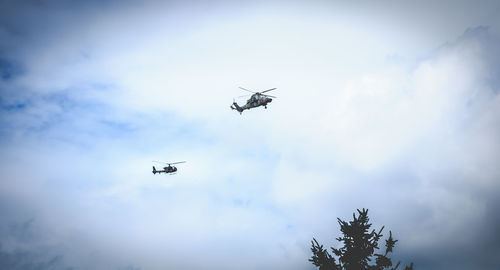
column 392, row 106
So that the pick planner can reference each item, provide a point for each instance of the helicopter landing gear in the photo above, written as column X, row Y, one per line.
column 265, row 107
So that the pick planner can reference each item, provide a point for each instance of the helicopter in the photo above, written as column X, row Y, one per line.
column 256, row 100
column 169, row 169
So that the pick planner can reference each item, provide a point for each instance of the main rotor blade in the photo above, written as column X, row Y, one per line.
column 270, row 96
column 269, row 90
column 244, row 95
column 247, row 90
column 168, row 163
column 177, row 162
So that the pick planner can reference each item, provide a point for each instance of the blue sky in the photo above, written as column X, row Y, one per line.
column 391, row 106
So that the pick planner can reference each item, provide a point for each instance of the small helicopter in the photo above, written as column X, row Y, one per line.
column 256, row 100
column 169, row 169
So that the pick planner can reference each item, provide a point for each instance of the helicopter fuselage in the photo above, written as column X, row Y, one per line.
column 254, row 101
column 169, row 169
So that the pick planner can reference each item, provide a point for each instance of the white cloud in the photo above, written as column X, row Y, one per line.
column 348, row 129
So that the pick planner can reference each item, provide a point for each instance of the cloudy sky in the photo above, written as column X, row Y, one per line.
column 392, row 106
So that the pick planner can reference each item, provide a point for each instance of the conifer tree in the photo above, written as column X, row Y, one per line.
column 359, row 248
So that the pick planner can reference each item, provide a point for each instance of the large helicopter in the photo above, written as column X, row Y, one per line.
column 256, row 100
column 169, row 169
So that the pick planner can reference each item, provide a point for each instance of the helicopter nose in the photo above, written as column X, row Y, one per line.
column 269, row 99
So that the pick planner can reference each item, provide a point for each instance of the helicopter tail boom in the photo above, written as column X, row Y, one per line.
column 235, row 106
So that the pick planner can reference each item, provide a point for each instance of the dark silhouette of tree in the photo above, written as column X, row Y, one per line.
column 359, row 246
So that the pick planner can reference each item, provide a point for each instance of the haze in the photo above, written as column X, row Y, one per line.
column 388, row 105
